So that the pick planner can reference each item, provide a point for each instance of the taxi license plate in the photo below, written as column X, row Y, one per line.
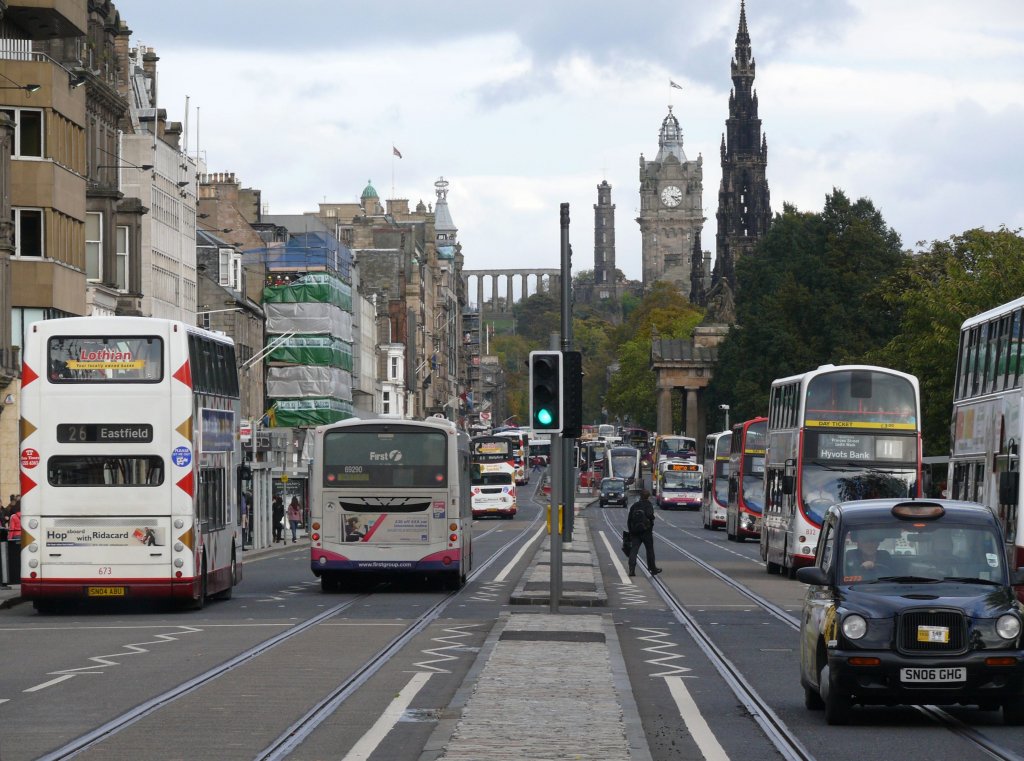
column 933, row 634
column 105, row 592
column 947, row 674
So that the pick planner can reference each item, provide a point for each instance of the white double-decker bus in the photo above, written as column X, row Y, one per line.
column 391, row 498
column 129, row 461
column 988, row 420
column 835, row 434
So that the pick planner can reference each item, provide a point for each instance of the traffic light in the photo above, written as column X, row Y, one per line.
column 572, row 394
column 546, row 391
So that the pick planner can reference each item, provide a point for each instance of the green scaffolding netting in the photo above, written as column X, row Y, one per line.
column 311, row 350
column 314, row 287
column 291, row 413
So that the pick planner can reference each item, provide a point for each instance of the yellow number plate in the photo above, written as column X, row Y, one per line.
column 933, row 634
column 106, row 592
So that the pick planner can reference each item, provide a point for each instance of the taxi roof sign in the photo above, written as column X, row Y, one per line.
column 918, row 511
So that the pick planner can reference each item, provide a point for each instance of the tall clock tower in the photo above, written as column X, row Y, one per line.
column 671, row 211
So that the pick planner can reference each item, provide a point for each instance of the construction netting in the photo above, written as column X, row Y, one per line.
column 303, row 381
column 310, row 350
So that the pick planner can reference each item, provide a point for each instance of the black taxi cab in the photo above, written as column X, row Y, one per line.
column 911, row 602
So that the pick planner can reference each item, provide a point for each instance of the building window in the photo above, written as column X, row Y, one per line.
column 122, row 258
column 393, row 375
column 94, row 246
column 28, row 132
column 230, row 268
column 28, row 232
column 386, row 399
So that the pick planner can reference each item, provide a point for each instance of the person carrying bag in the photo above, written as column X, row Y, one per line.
column 640, row 523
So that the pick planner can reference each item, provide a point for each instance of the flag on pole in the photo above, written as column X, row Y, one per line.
column 671, row 83
column 395, row 151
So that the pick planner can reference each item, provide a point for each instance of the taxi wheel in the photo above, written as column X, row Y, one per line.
column 812, row 700
column 837, row 706
column 1013, row 712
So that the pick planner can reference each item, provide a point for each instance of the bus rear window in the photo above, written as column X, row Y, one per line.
column 100, row 470
column 105, row 359
column 384, row 459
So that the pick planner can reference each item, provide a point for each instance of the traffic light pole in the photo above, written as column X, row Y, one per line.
column 555, row 473
column 567, row 442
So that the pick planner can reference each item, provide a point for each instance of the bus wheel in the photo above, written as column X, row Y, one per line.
column 200, row 602
column 45, row 607
column 225, row 594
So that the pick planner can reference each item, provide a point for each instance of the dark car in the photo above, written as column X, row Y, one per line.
column 911, row 602
column 613, row 492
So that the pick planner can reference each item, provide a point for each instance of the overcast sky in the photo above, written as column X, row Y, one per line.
column 915, row 104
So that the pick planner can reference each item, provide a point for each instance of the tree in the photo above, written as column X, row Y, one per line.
column 934, row 293
column 632, row 392
column 810, row 294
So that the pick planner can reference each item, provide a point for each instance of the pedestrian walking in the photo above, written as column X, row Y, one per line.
column 277, row 518
column 14, row 543
column 640, row 523
column 294, row 517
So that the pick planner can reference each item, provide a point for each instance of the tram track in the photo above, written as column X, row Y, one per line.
column 774, row 728
column 292, row 737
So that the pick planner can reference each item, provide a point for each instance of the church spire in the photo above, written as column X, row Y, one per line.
column 744, row 211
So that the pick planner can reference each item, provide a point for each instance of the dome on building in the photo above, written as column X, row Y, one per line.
column 369, row 191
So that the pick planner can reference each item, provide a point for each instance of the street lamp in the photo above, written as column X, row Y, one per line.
column 725, row 408
column 15, row 86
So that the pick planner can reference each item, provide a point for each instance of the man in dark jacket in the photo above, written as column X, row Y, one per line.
column 640, row 523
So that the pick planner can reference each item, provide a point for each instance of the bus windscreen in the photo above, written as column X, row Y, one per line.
column 384, row 459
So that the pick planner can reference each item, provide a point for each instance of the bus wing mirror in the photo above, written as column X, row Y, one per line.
column 787, row 484
column 1009, row 485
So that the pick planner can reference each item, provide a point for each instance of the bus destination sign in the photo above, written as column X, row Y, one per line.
column 104, row 433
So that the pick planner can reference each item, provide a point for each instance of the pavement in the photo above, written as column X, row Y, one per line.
column 544, row 685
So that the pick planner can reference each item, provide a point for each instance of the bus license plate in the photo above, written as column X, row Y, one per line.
column 949, row 674
column 106, row 592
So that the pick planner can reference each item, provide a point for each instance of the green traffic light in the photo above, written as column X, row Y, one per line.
column 544, row 416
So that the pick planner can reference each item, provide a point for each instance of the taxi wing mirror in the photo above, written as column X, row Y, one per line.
column 1017, row 577
column 812, row 575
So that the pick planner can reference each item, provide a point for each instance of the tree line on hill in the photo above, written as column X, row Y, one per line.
column 835, row 286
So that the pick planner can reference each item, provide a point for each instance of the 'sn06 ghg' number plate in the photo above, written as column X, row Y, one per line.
column 943, row 674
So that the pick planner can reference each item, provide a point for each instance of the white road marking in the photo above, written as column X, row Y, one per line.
column 614, row 553
column 368, row 742
column 526, row 546
column 52, row 682
column 699, row 729
column 5, row 700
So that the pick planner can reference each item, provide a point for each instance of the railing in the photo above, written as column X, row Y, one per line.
column 16, row 50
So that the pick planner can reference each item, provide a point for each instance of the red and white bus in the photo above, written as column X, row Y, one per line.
column 835, row 434
column 717, row 447
column 746, row 485
column 680, row 484
column 988, row 420
column 130, row 461
column 391, row 498
column 493, row 476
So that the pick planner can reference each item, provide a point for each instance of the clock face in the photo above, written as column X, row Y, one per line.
column 671, row 196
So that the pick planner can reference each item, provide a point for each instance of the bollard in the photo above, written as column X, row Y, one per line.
column 4, row 571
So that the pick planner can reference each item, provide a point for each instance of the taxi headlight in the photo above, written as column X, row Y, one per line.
column 854, row 626
column 1008, row 626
